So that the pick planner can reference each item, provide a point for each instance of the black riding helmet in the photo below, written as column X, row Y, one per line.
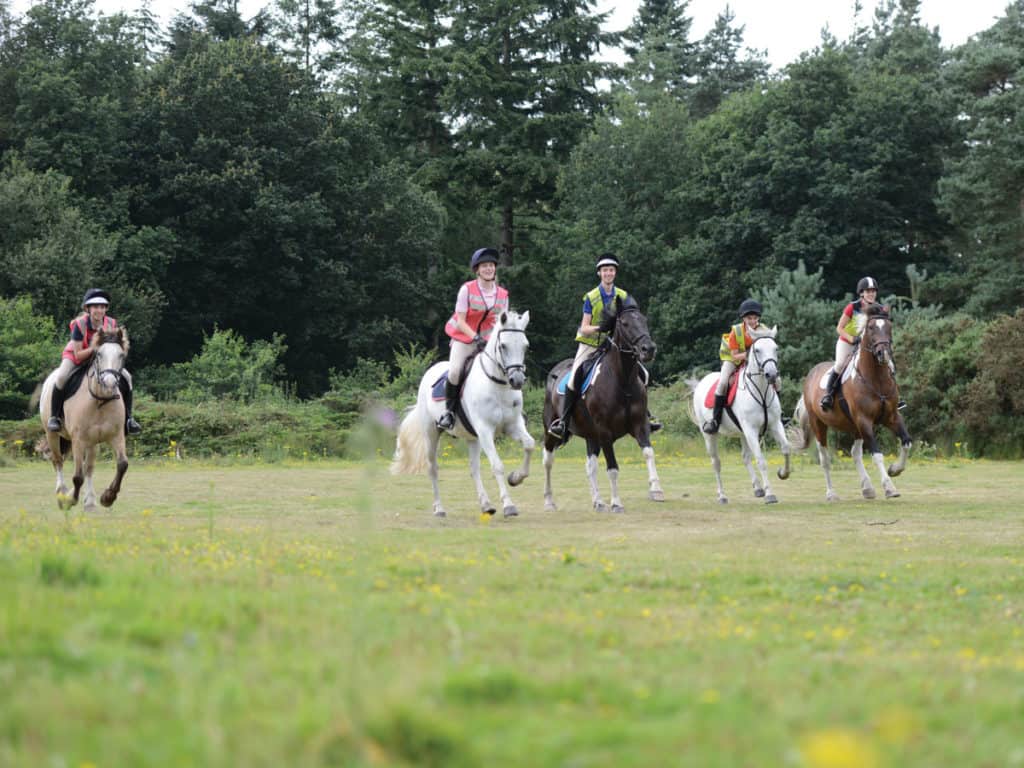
column 866, row 284
column 750, row 306
column 95, row 296
column 482, row 256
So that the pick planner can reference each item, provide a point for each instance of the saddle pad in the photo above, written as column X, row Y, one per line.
column 437, row 391
column 587, row 380
column 848, row 373
column 734, row 382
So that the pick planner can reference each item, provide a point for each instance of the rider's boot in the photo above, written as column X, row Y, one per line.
column 446, row 420
column 56, row 421
column 560, row 427
column 653, row 423
column 711, row 427
column 829, row 398
column 131, row 426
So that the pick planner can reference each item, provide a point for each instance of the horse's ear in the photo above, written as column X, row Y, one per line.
column 526, row 318
column 504, row 318
column 775, row 331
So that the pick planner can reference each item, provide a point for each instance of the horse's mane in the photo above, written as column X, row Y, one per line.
column 608, row 323
column 118, row 336
column 878, row 310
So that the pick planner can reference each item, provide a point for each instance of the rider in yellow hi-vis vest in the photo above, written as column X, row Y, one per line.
column 596, row 303
column 849, row 328
column 733, row 352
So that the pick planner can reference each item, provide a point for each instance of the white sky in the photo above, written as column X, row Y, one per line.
column 785, row 28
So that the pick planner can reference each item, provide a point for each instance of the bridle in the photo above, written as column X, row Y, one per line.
column 96, row 373
column 762, row 398
column 628, row 346
column 505, row 368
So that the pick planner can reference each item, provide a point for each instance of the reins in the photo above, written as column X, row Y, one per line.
column 763, row 399
column 504, row 367
column 96, row 373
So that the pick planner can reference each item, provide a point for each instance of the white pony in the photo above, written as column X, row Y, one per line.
column 758, row 410
column 492, row 399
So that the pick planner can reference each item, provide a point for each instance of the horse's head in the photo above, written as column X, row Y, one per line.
column 763, row 357
column 630, row 332
column 508, row 345
column 877, row 335
column 110, row 350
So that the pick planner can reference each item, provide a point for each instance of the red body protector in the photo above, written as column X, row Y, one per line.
column 478, row 315
column 87, row 331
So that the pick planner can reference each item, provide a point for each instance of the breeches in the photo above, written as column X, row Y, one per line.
column 843, row 351
column 728, row 366
column 457, row 358
column 583, row 353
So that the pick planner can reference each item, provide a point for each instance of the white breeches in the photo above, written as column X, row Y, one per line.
column 728, row 366
column 457, row 358
column 583, row 353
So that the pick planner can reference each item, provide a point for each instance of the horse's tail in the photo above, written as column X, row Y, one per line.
column 798, row 432
column 412, row 445
column 691, row 384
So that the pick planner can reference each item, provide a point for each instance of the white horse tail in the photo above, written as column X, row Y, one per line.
column 692, row 385
column 798, row 432
column 412, row 445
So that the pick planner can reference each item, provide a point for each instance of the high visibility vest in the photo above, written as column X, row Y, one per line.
column 724, row 350
column 82, row 321
column 597, row 314
column 858, row 319
column 479, row 316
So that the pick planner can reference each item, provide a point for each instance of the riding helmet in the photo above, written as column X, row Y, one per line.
column 751, row 307
column 482, row 256
column 866, row 284
column 607, row 260
column 96, row 296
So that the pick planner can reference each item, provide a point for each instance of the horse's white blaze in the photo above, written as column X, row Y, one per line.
column 492, row 405
column 755, row 399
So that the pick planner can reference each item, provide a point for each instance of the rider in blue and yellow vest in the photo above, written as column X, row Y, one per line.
column 477, row 307
column 78, row 351
column 596, row 303
column 733, row 352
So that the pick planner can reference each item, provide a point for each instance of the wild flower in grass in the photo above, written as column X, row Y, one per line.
column 710, row 696
column 960, row 591
column 837, row 748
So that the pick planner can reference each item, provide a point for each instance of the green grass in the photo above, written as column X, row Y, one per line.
column 318, row 615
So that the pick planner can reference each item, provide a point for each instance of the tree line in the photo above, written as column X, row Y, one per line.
column 316, row 177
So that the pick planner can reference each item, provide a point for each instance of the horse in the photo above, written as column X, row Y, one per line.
column 867, row 397
column 491, row 399
column 94, row 414
column 614, row 404
column 754, row 411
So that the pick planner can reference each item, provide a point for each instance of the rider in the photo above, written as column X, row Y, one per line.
column 79, row 350
column 595, row 303
column 850, row 326
column 477, row 307
column 733, row 352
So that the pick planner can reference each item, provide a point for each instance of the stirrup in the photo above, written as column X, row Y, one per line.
column 710, row 427
column 446, row 420
column 557, row 429
column 132, row 427
column 901, row 405
column 827, row 402
column 54, row 424
column 654, row 425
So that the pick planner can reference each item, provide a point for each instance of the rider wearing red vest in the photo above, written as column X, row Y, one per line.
column 78, row 351
column 477, row 307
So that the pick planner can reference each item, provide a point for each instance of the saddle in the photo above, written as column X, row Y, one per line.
column 438, row 387
column 75, row 381
column 734, row 383
column 586, row 372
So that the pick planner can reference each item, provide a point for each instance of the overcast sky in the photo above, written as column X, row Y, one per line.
column 785, row 28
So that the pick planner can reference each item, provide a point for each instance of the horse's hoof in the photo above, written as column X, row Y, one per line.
column 759, row 493
column 107, row 499
column 618, row 509
column 440, row 513
column 869, row 493
column 488, row 509
column 600, row 507
column 895, row 471
column 893, row 494
column 831, row 497
column 89, row 508
column 510, row 511
column 64, row 501
column 656, row 495
column 550, row 506
column 782, row 475
column 723, row 500
column 516, row 478
column 771, row 499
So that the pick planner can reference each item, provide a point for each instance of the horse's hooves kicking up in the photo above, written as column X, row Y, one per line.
column 656, row 495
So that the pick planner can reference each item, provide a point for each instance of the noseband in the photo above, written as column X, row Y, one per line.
column 96, row 373
column 628, row 346
column 505, row 368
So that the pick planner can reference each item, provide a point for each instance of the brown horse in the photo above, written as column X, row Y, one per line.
column 94, row 414
column 614, row 405
column 867, row 397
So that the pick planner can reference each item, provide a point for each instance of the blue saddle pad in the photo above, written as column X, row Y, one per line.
column 437, row 391
column 564, row 381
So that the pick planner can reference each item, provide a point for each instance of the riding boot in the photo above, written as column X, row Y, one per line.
column 56, row 421
column 446, row 420
column 831, row 386
column 560, row 427
column 711, row 427
column 653, row 424
column 131, row 426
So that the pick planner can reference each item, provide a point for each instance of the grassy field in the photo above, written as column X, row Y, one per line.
column 316, row 614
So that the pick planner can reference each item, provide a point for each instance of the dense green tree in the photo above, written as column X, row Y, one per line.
column 308, row 31
column 28, row 349
column 720, row 70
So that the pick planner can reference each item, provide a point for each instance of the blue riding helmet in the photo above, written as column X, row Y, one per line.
column 750, row 306
column 482, row 256
column 96, row 296
column 866, row 284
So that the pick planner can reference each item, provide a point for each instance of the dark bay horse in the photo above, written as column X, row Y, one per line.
column 867, row 397
column 613, row 405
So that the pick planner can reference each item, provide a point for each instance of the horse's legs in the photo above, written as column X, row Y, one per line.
column 473, row 448
column 779, row 433
column 433, row 444
column 654, row 491
column 867, row 490
column 613, row 476
column 89, row 501
column 820, row 430
column 110, row 494
column 595, row 493
column 486, row 438
column 753, row 442
column 879, row 458
column 900, row 430
column 518, row 432
column 749, row 449
column 57, row 459
column 549, row 462
column 711, row 441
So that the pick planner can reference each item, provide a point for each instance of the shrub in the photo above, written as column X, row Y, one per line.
column 28, row 348
column 994, row 401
